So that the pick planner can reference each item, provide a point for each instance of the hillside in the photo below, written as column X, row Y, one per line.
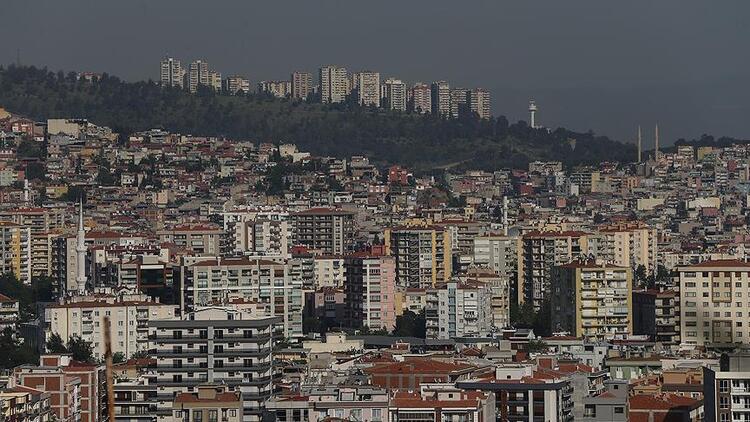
column 422, row 142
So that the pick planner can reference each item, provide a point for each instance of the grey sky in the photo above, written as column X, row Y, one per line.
column 590, row 64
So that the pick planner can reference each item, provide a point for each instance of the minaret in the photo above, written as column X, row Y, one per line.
column 640, row 146
column 81, row 252
column 532, row 110
column 656, row 143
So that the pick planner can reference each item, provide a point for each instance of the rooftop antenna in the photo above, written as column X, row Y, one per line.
column 656, row 142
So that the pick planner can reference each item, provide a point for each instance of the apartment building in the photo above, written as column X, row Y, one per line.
column 523, row 393
column 656, row 313
column 324, row 230
column 256, row 232
column 424, row 254
column 199, row 238
column 24, row 404
column 714, row 297
column 394, row 93
column 213, row 345
column 334, row 84
column 592, row 300
column 129, row 316
column 15, row 250
column 479, row 103
column 543, row 250
column 501, row 294
column 321, row 402
column 459, row 102
column 171, row 72
column 214, row 80
column 442, row 403
column 329, row 271
column 302, row 85
column 441, row 98
column 421, row 98
column 630, row 245
column 370, row 289
column 269, row 284
column 278, row 89
column 459, row 309
column 137, row 269
column 45, row 224
column 726, row 392
column 210, row 403
column 367, row 84
column 8, row 313
column 198, row 74
column 236, row 84
column 501, row 254
column 76, row 389
column 328, row 305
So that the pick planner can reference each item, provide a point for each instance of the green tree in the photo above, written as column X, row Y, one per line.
column 422, row 142
column 80, row 349
column 410, row 324
column 36, row 171
column 14, row 351
column 311, row 324
column 31, row 149
column 639, row 275
column 525, row 316
column 537, row 346
column 55, row 344
column 118, row 357
column 141, row 354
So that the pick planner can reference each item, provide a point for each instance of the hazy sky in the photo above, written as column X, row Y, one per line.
column 590, row 64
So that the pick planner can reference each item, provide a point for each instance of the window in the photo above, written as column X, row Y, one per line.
column 213, row 415
column 197, row 415
column 619, row 410
column 723, row 386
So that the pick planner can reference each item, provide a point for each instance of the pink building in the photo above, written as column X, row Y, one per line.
column 370, row 290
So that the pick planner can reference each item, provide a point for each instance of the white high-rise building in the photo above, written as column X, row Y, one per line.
column 441, row 98
column 198, row 75
column 394, row 92
column 214, row 80
column 479, row 103
column 464, row 309
column 213, row 345
column 236, row 84
column 334, row 84
column 421, row 98
column 459, row 102
column 714, row 303
column 302, row 85
column 81, row 250
column 368, row 88
column 171, row 73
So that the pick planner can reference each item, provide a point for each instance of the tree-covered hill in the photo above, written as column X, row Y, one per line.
column 423, row 142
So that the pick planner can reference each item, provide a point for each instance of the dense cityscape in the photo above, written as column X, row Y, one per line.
column 346, row 212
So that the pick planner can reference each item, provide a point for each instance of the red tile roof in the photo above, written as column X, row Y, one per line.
column 4, row 299
column 664, row 401
column 718, row 263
